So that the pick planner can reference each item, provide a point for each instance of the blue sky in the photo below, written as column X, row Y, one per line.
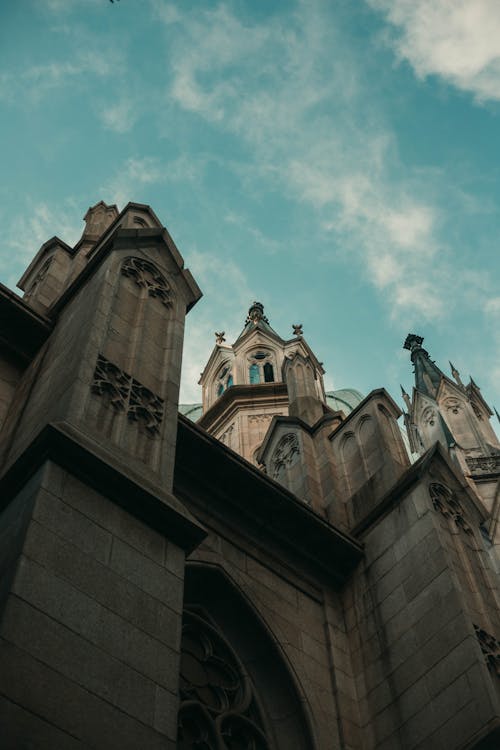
column 338, row 161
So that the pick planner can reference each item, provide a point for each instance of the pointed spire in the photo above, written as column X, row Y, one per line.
column 498, row 415
column 456, row 374
column 256, row 319
column 427, row 373
column 256, row 313
column 473, row 383
column 406, row 398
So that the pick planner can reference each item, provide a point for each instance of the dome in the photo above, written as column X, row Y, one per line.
column 191, row 411
column 345, row 399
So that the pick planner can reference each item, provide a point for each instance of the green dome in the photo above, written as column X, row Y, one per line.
column 191, row 411
column 345, row 399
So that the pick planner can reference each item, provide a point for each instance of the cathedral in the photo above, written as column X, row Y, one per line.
column 276, row 568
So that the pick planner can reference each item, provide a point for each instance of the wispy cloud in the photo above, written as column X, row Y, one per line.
column 27, row 231
column 457, row 40
column 300, row 109
column 121, row 116
column 224, row 281
column 138, row 173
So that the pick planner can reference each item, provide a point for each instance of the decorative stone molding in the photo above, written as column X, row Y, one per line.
column 490, row 648
column 148, row 276
column 429, row 416
column 111, row 382
column 285, row 454
column 126, row 394
column 260, row 417
column 145, row 405
column 226, row 436
column 489, row 464
column 444, row 501
column 218, row 706
column 452, row 404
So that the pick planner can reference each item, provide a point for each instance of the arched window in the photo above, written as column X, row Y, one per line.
column 235, row 687
column 224, row 379
column 268, row 373
column 260, row 369
column 254, row 373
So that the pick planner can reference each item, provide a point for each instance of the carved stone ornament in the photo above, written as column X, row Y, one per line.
column 111, row 382
column 148, row 276
column 444, row 501
column 126, row 394
column 285, row 454
column 218, row 708
column 146, row 406
column 219, row 337
column 490, row 648
column 487, row 464
column 260, row 417
column 297, row 329
column 429, row 416
column 453, row 405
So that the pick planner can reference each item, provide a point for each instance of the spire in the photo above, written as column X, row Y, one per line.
column 498, row 415
column 256, row 319
column 427, row 373
column 256, row 313
column 456, row 374
column 406, row 398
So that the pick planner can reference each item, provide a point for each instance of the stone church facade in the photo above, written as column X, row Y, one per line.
column 280, row 575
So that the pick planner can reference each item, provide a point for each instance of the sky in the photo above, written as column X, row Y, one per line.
column 337, row 160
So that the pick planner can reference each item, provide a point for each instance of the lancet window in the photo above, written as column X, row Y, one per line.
column 261, row 368
column 224, row 380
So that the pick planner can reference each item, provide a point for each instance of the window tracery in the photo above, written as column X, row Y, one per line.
column 219, row 709
column 224, row 379
column 261, row 367
column 445, row 501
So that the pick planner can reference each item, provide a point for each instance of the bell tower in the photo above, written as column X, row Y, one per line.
column 245, row 384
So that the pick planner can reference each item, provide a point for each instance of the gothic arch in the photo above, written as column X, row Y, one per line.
column 279, row 701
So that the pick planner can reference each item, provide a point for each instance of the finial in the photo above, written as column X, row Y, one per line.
column 498, row 415
column 413, row 342
column 473, row 383
column 219, row 337
column 456, row 374
column 256, row 313
column 297, row 329
column 406, row 398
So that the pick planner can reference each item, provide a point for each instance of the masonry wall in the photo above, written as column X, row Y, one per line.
column 421, row 676
column 303, row 618
column 90, row 622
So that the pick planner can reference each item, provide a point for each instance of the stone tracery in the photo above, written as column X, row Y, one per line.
column 148, row 276
column 444, row 501
column 219, row 709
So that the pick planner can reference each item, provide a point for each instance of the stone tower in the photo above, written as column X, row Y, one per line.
column 458, row 417
column 244, row 384
column 160, row 591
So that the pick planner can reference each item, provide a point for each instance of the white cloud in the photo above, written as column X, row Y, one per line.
column 280, row 89
column 222, row 280
column 36, row 224
column 137, row 173
column 120, row 117
column 458, row 40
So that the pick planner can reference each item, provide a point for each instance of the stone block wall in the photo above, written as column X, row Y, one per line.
column 90, row 622
column 421, row 677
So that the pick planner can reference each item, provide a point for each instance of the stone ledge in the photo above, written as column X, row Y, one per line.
column 209, row 472
column 74, row 452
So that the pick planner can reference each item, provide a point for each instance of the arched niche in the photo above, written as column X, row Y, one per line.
column 276, row 706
